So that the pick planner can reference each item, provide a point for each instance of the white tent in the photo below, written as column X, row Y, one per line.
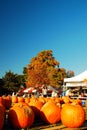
column 79, row 80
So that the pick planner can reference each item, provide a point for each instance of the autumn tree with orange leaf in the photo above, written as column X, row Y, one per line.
column 44, row 69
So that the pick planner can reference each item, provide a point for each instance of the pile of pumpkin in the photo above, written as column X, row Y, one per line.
column 22, row 112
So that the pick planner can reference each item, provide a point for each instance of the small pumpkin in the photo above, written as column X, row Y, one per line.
column 50, row 112
column 42, row 99
column 21, row 99
column 21, row 115
column 2, row 101
column 27, row 100
column 14, row 99
column 2, row 115
column 7, row 101
column 66, row 99
column 72, row 116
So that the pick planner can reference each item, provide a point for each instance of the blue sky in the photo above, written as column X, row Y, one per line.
column 30, row 26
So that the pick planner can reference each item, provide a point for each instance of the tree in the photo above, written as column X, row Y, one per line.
column 70, row 73
column 1, row 86
column 12, row 82
column 25, row 72
column 57, row 76
column 44, row 69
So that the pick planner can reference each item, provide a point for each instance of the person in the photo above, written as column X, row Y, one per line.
column 80, row 90
column 68, row 92
column 13, row 93
column 54, row 93
column 44, row 91
column 81, row 95
column 37, row 93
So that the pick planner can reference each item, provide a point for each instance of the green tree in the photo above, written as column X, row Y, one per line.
column 25, row 73
column 70, row 73
column 12, row 81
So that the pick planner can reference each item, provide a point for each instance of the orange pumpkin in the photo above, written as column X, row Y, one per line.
column 27, row 100
column 21, row 104
column 2, row 101
column 14, row 99
column 21, row 116
column 36, row 106
column 21, row 99
column 66, row 99
column 86, row 103
column 3, row 108
column 7, row 102
column 2, row 115
column 72, row 116
column 50, row 112
column 42, row 99
column 57, row 100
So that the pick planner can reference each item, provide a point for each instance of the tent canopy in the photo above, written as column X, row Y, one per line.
column 79, row 78
column 29, row 90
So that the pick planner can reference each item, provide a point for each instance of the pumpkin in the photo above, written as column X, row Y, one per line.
column 27, row 100
column 2, row 101
column 36, row 106
column 57, row 100
column 21, row 104
column 66, row 99
column 21, row 99
column 2, row 115
column 14, row 99
column 72, row 116
column 50, row 112
column 86, row 103
column 42, row 99
column 7, row 101
column 21, row 115
column 76, row 102
column 3, row 108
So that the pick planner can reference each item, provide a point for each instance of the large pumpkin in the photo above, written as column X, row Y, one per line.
column 50, row 112
column 72, row 116
column 21, row 115
column 36, row 106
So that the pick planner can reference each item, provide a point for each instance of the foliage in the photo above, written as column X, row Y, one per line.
column 1, row 86
column 70, row 73
column 44, row 69
column 24, row 72
column 56, row 77
column 12, row 82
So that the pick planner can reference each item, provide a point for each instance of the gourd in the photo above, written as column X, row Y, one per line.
column 50, row 112
column 72, row 116
column 21, row 115
column 2, row 116
column 36, row 106
column 14, row 99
